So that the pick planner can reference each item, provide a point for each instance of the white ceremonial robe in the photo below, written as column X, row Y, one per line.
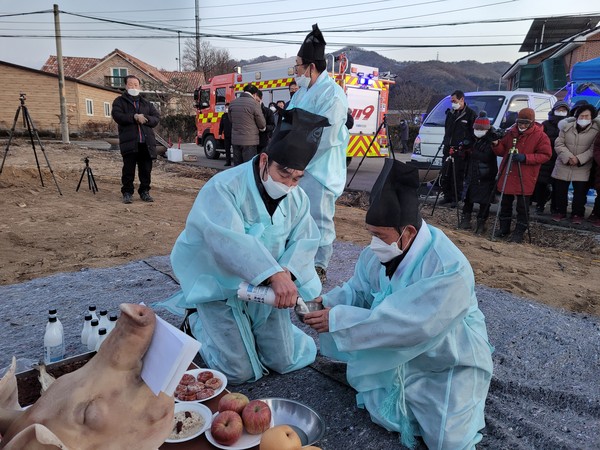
column 327, row 169
column 230, row 237
column 416, row 345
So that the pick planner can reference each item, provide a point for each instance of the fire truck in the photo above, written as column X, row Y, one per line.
column 367, row 94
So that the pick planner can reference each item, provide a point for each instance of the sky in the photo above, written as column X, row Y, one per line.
column 28, row 39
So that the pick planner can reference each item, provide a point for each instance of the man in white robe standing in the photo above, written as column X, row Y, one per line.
column 251, row 224
column 325, row 176
column 408, row 324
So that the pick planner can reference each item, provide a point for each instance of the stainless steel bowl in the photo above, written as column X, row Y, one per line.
column 312, row 306
column 306, row 422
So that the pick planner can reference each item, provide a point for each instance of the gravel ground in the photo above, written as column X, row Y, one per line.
column 544, row 395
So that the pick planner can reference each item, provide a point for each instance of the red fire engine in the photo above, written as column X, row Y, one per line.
column 367, row 97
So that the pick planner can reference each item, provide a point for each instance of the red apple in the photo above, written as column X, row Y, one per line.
column 234, row 401
column 227, row 427
column 256, row 416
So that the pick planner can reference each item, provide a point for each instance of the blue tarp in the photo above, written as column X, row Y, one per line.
column 585, row 82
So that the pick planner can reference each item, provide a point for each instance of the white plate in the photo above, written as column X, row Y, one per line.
column 244, row 442
column 200, row 409
column 216, row 374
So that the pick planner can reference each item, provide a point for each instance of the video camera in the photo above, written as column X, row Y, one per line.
column 22, row 97
column 495, row 134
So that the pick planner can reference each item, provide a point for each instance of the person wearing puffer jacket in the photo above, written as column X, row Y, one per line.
column 574, row 149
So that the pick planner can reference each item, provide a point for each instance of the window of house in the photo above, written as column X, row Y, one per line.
column 118, row 76
column 106, row 109
column 89, row 107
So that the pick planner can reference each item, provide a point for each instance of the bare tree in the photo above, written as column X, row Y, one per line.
column 212, row 61
column 411, row 99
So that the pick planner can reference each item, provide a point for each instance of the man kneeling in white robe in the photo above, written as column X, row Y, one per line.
column 252, row 223
column 408, row 325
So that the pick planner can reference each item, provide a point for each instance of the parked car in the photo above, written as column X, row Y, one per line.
column 502, row 108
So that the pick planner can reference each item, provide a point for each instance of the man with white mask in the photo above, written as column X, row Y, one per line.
column 325, row 176
column 136, row 117
column 252, row 223
column 408, row 325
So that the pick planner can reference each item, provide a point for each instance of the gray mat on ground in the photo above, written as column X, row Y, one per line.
column 544, row 394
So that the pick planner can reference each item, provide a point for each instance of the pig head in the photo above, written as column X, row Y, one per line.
column 103, row 405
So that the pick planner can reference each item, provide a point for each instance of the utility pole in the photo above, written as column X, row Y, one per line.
column 64, row 123
column 197, row 36
column 179, row 48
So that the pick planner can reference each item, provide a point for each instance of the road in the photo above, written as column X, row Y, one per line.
column 363, row 178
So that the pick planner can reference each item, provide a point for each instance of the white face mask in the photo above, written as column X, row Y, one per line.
column 560, row 113
column 273, row 108
column 133, row 92
column 455, row 106
column 479, row 133
column 303, row 81
column 386, row 252
column 583, row 122
column 275, row 189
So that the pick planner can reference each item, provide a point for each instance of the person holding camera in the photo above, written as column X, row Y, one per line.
column 530, row 148
column 458, row 138
column 480, row 174
column 136, row 117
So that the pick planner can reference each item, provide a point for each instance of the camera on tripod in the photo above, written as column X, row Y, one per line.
column 22, row 97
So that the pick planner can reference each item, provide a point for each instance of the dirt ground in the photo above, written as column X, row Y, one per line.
column 42, row 232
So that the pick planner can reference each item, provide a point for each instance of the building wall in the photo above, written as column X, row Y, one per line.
column 43, row 101
column 104, row 69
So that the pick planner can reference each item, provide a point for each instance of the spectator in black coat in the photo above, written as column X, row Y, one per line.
column 136, row 117
column 264, row 136
column 404, row 135
column 480, row 174
column 225, row 130
column 544, row 188
column 349, row 119
column 458, row 137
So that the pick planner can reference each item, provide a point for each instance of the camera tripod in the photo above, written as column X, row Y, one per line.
column 382, row 125
column 513, row 151
column 90, row 177
column 443, row 174
column 28, row 123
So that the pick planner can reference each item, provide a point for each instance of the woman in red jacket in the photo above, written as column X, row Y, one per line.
column 532, row 150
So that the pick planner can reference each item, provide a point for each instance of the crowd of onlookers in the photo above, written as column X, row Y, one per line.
column 540, row 162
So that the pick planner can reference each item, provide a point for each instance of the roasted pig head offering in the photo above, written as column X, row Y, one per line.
column 103, row 405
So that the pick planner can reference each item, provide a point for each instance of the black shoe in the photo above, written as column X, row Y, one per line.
column 127, row 198
column 322, row 274
column 540, row 209
column 145, row 196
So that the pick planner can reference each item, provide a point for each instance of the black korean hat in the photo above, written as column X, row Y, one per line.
column 394, row 200
column 313, row 47
column 296, row 142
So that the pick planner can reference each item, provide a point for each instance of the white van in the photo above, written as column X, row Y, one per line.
column 501, row 107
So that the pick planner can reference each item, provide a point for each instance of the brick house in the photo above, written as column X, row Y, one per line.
column 88, row 104
column 555, row 45
column 168, row 90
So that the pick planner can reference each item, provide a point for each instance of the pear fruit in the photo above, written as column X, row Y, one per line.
column 281, row 437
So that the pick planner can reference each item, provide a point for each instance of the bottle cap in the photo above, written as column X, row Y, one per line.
column 51, row 319
column 95, row 322
column 88, row 317
column 103, row 312
column 92, row 308
column 52, row 311
column 102, row 331
column 113, row 318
